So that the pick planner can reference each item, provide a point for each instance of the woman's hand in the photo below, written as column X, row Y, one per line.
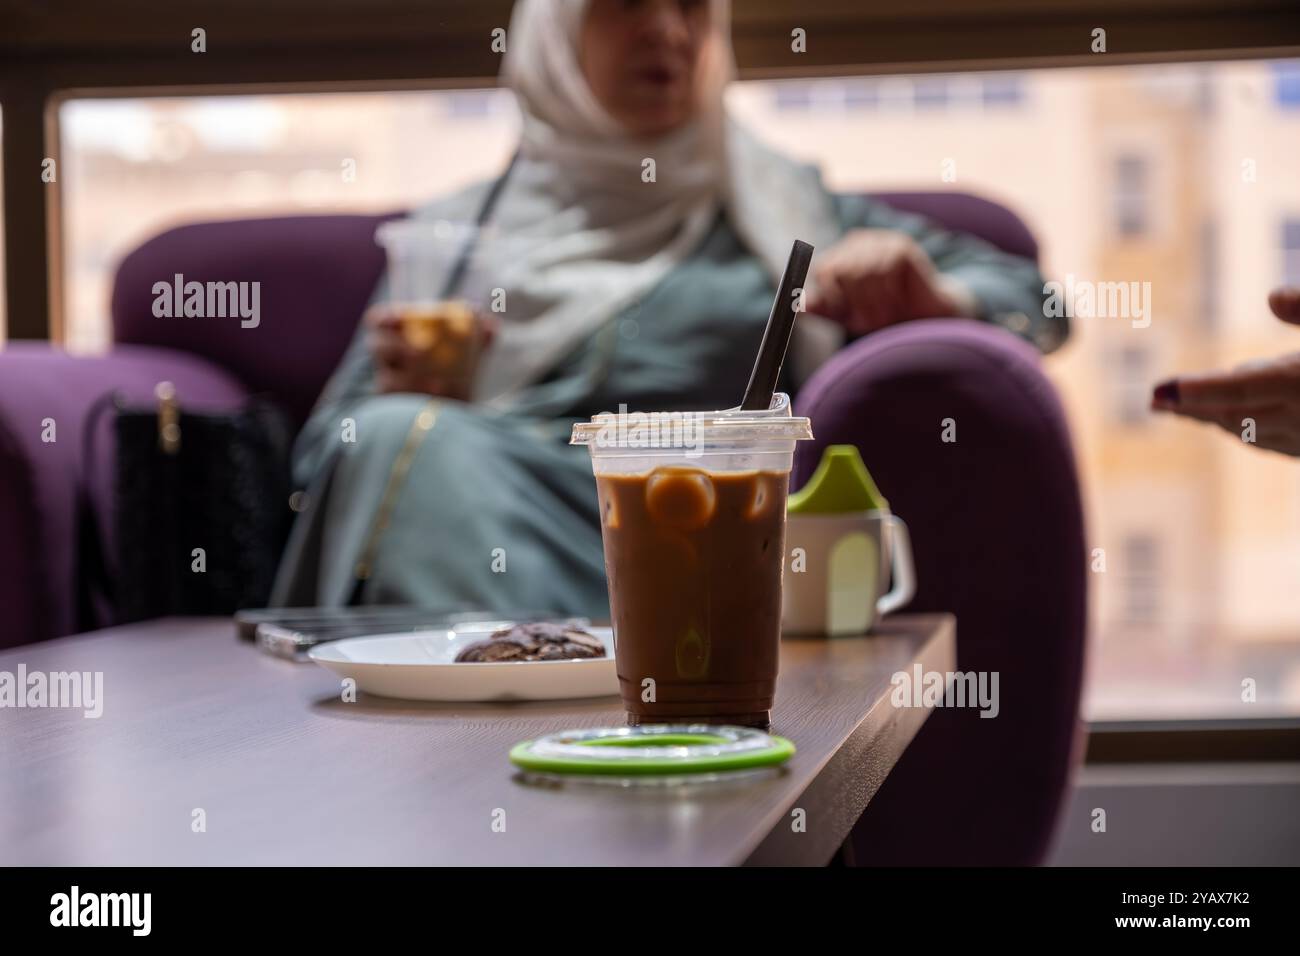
column 1266, row 390
column 402, row 365
column 877, row 277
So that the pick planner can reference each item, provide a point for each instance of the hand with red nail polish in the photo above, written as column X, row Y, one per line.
column 1264, row 390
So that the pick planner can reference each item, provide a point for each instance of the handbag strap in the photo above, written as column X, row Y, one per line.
column 96, row 579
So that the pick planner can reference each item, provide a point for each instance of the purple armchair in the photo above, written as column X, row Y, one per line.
column 997, row 535
column 995, row 516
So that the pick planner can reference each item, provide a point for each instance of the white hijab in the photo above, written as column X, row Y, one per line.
column 595, row 235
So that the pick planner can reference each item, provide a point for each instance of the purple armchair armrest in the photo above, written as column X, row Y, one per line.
column 997, row 531
column 45, row 395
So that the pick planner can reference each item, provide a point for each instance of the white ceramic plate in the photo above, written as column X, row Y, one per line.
column 420, row 665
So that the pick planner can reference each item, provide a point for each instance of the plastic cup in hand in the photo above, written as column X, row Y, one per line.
column 437, row 295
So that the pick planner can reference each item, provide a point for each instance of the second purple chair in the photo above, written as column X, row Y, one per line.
column 967, row 440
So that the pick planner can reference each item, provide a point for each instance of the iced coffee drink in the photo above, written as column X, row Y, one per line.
column 437, row 280
column 447, row 337
column 694, row 541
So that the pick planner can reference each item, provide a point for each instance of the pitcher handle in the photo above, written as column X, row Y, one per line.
column 902, row 570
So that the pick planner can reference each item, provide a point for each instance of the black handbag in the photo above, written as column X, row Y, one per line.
column 200, row 507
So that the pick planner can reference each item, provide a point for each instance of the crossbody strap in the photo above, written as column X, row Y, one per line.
column 457, row 274
column 428, row 416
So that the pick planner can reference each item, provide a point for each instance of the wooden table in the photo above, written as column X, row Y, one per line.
column 285, row 772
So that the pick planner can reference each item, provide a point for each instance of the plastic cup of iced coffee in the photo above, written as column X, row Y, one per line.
column 437, row 295
column 692, row 514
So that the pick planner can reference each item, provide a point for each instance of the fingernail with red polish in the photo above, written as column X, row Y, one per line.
column 1167, row 392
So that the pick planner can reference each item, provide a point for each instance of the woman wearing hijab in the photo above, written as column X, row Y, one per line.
column 649, row 291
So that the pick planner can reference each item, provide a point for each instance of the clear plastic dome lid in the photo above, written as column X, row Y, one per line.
column 624, row 429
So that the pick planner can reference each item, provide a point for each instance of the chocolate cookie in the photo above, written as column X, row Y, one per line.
column 535, row 641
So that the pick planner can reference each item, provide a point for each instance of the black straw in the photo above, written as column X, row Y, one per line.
column 776, row 337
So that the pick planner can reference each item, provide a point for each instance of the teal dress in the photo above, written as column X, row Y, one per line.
column 448, row 505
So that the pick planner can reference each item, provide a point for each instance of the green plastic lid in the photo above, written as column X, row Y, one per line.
column 651, row 749
column 840, row 484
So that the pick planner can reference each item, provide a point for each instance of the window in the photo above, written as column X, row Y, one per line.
column 1131, row 190
column 792, row 95
column 1286, row 76
column 1291, row 252
column 1130, row 385
column 931, row 92
column 1003, row 89
column 1208, row 304
column 864, row 95
column 470, row 103
column 1140, row 579
column 133, row 167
